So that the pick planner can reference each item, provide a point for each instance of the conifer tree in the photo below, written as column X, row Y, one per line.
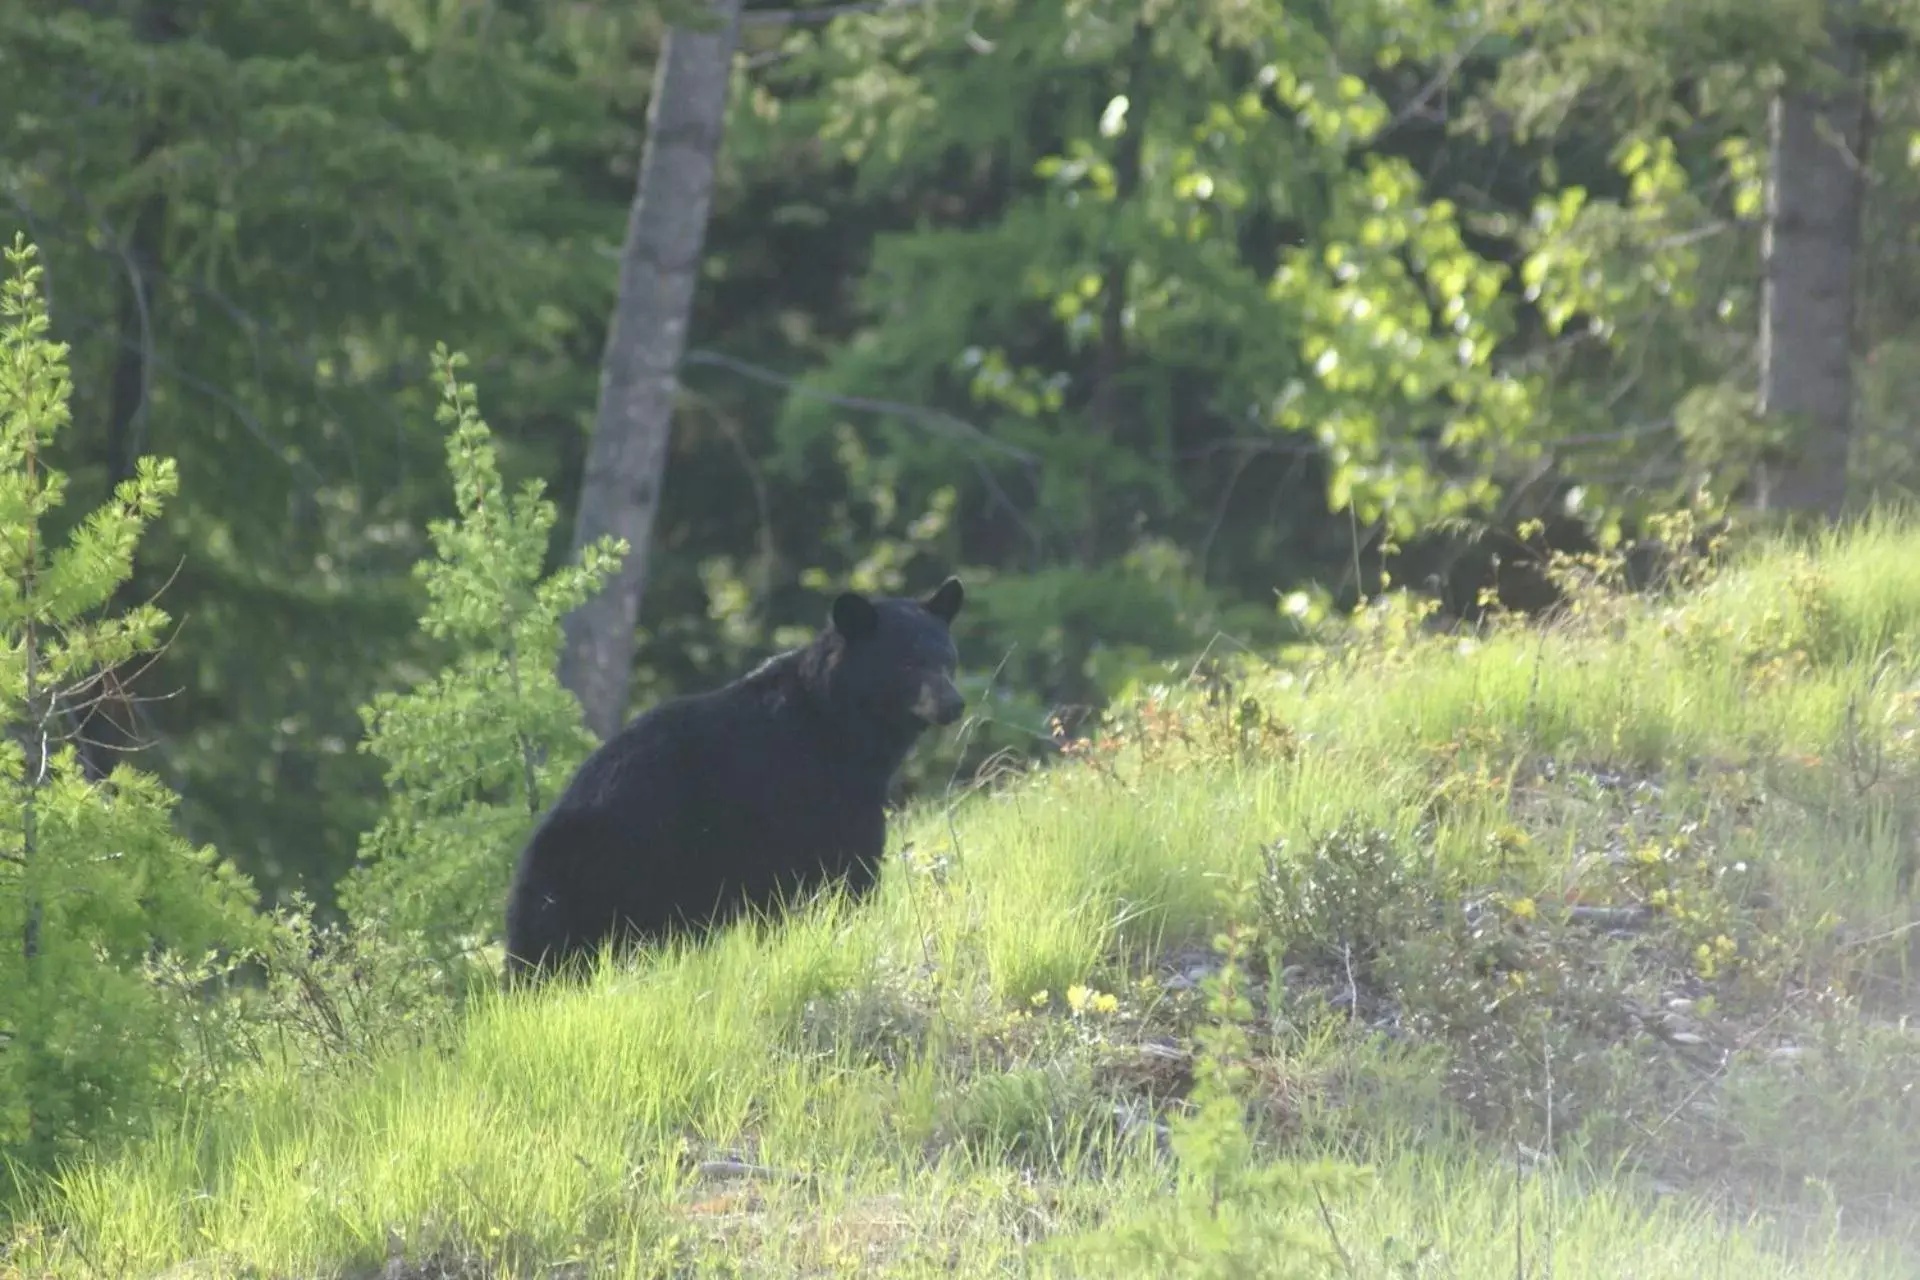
column 93, row 880
column 475, row 753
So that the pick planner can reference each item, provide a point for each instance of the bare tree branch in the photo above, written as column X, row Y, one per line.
column 824, row 14
column 934, row 421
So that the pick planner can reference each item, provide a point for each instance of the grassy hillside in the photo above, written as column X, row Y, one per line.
column 1576, row 950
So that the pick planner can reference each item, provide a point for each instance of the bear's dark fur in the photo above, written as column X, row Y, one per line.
column 759, row 791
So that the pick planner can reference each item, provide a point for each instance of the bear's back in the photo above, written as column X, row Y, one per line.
column 706, row 801
column 753, row 751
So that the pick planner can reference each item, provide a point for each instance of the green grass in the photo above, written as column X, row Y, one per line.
column 903, row 1089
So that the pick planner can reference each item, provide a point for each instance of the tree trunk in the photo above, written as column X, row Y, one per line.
column 620, row 490
column 1815, row 192
column 132, row 369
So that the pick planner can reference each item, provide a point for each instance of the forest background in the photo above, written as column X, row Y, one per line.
column 1167, row 326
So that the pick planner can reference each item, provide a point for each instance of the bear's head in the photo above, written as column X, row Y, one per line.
column 893, row 658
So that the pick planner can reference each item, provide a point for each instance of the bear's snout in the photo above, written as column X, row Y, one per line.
column 940, row 702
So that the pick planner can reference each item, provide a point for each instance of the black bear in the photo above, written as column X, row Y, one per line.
column 758, row 791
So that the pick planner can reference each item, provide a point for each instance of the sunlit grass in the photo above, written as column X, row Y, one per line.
column 848, row 1058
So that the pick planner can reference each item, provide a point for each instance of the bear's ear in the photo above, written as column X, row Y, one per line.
column 945, row 602
column 854, row 615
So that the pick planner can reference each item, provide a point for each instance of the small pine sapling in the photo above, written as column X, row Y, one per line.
column 1232, row 1213
column 475, row 753
column 94, row 884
